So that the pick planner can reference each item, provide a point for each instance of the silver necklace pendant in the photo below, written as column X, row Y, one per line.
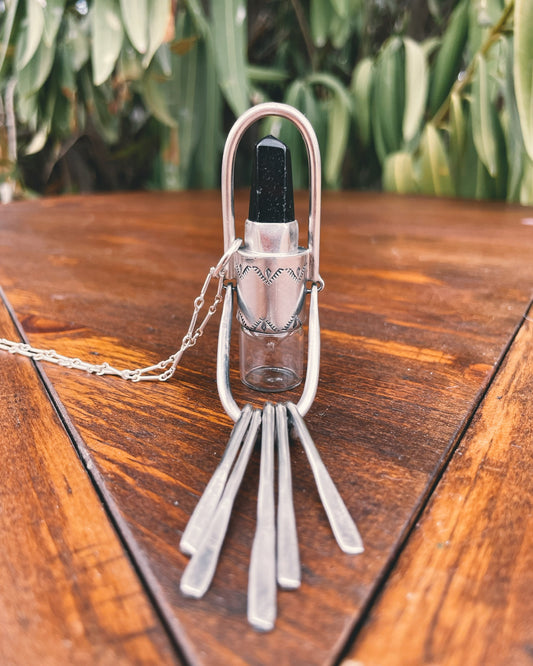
column 271, row 274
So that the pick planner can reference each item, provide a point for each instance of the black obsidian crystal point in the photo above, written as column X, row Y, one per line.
column 271, row 195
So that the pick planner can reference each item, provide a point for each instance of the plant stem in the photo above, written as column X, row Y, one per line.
column 304, row 27
column 460, row 84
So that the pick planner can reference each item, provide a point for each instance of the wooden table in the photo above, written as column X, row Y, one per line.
column 423, row 417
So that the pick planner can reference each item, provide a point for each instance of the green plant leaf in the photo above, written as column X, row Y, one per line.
column 379, row 142
column 399, row 173
column 342, row 8
column 466, row 171
column 476, row 32
column 339, row 108
column 434, row 177
column 32, row 77
column 27, row 109
column 501, row 178
column 462, row 152
column 196, row 12
column 190, row 154
column 526, row 189
column 484, row 183
column 163, row 56
column 38, row 141
column 129, row 65
column 32, row 30
column 516, row 154
column 65, row 74
column 167, row 165
column 208, row 105
column 95, row 101
column 160, row 13
column 136, row 20
column 181, row 93
column 483, row 125
column 523, row 69
column 53, row 14
column 320, row 14
column 7, row 28
column 229, row 26
column 260, row 74
column 340, row 31
column 388, row 98
column 156, row 101
column 485, row 13
column 76, row 40
column 361, row 89
column 209, row 99
column 107, row 37
column 458, row 131
column 493, row 186
column 416, row 88
column 512, row 129
column 40, row 137
column 449, row 57
column 457, row 124
column 338, row 128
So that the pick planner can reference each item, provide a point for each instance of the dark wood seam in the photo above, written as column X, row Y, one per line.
column 418, row 511
column 138, row 561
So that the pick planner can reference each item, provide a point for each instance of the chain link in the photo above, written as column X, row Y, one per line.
column 146, row 374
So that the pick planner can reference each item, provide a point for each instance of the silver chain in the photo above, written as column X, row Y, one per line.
column 146, row 374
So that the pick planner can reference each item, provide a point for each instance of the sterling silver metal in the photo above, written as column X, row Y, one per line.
column 201, row 568
column 271, row 272
column 342, row 525
column 262, row 574
column 288, row 557
column 204, row 510
column 313, row 354
column 231, row 408
column 223, row 357
column 247, row 119
column 270, row 289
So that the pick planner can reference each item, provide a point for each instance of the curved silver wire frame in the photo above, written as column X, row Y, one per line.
column 231, row 408
column 247, row 119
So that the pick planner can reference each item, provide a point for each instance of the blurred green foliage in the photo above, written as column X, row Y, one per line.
column 433, row 96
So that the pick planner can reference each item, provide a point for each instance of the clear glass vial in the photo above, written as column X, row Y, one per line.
column 272, row 362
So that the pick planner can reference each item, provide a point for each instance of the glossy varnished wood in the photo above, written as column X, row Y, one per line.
column 422, row 298
column 68, row 592
column 462, row 590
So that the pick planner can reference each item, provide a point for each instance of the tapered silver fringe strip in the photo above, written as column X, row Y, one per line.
column 341, row 522
column 288, row 557
column 202, row 514
column 262, row 575
column 201, row 568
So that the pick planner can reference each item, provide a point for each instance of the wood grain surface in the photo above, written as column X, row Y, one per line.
column 462, row 591
column 68, row 592
column 422, row 298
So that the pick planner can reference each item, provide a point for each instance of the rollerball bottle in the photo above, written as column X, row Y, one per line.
column 271, row 271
